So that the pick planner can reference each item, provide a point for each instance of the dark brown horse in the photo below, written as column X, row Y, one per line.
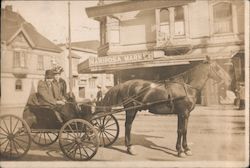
column 164, row 98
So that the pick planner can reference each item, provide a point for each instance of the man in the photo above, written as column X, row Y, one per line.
column 99, row 95
column 60, row 84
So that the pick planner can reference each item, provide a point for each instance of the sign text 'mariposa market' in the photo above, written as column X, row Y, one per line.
column 121, row 59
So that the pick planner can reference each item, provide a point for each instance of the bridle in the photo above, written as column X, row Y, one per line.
column 211, row 70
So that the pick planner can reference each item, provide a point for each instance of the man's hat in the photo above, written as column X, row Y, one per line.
column 99, row 86
column 49, row 74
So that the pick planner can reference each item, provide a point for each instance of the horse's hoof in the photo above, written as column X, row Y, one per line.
column 188, row 153
column 131, row 150
column 181, row 155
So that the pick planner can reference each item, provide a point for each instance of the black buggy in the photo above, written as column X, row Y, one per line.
column 79, row 138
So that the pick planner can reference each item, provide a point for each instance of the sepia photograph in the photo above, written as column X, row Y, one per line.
column 124, row 83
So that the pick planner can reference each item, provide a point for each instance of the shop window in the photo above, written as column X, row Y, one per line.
column 40, row 62
column 179, row 21
column 164, row 23
column 20, row 59
column 18, row 85
column 222, row 17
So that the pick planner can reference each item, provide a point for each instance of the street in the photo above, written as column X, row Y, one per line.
column 214, row 134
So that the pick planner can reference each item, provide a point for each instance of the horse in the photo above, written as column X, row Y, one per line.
column 164, row 98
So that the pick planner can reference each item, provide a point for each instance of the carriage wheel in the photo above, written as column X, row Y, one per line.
column 108, row 129
column 78, row 140
column 44, row 138
column 15, row 137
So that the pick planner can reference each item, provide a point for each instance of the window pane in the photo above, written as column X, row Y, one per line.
column 179, row 28
column 164, row 15
column 179, row 24
column 222, row 13
column 16, row 59
column 179, row 14
column 164, row 24
column 222, row 10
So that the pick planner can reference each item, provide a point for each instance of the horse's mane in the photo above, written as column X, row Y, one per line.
column 118, row 94
column 184, row 77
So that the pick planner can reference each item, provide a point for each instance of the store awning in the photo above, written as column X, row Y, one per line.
column 146, row 59
column 127, row 6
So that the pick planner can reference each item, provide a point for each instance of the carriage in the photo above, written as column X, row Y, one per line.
column 80, row 137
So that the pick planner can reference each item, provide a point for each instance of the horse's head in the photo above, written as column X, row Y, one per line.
column 217, row 73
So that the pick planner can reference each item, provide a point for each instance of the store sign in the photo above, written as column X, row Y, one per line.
column 121, row 59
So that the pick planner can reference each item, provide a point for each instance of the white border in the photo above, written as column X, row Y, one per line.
column 158, row 164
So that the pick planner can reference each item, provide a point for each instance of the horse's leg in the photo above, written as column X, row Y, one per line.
column 130, row 116
column 184, row 142
column 179, row 135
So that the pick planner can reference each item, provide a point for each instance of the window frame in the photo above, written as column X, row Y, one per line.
column 20, row 60
column 234, row 18
column 216, row 19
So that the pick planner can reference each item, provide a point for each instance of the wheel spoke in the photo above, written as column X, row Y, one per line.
column 103, row 138
column 3, row 134
column 6, row 146
column 14, row 144
column 19, row 145
column 108, row 121
column 6, row 127
column 80, row 151
column 106, row 136
column 4, row 130
column 110, row 134
column 67, row 144
column 49, row 137
column 4, row 142
column 110, row 125
column 85, row 151
column 15, row 126
column 110, row 129
column 10, row 124
column 90, row 148
column 40, row 137
column 76, row 129
column 72, row 130
column 10, row 148
column 44, row 137
column 21, row 140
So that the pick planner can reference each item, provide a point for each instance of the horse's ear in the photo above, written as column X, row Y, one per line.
column 207, row 60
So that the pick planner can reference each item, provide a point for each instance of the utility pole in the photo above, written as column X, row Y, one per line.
column 70, row 57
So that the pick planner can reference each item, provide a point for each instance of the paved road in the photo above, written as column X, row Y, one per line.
column 214, row 134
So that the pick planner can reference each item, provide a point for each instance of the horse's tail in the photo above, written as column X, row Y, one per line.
column 113, row 97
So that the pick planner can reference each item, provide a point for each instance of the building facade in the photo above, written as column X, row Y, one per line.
column 85, row 85
column 155, row 40
column 25, row 55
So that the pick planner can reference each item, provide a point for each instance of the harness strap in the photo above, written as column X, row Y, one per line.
column 170, row 98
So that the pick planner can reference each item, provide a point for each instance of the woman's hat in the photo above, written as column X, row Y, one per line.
column 58, row 70
column 49, row 74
